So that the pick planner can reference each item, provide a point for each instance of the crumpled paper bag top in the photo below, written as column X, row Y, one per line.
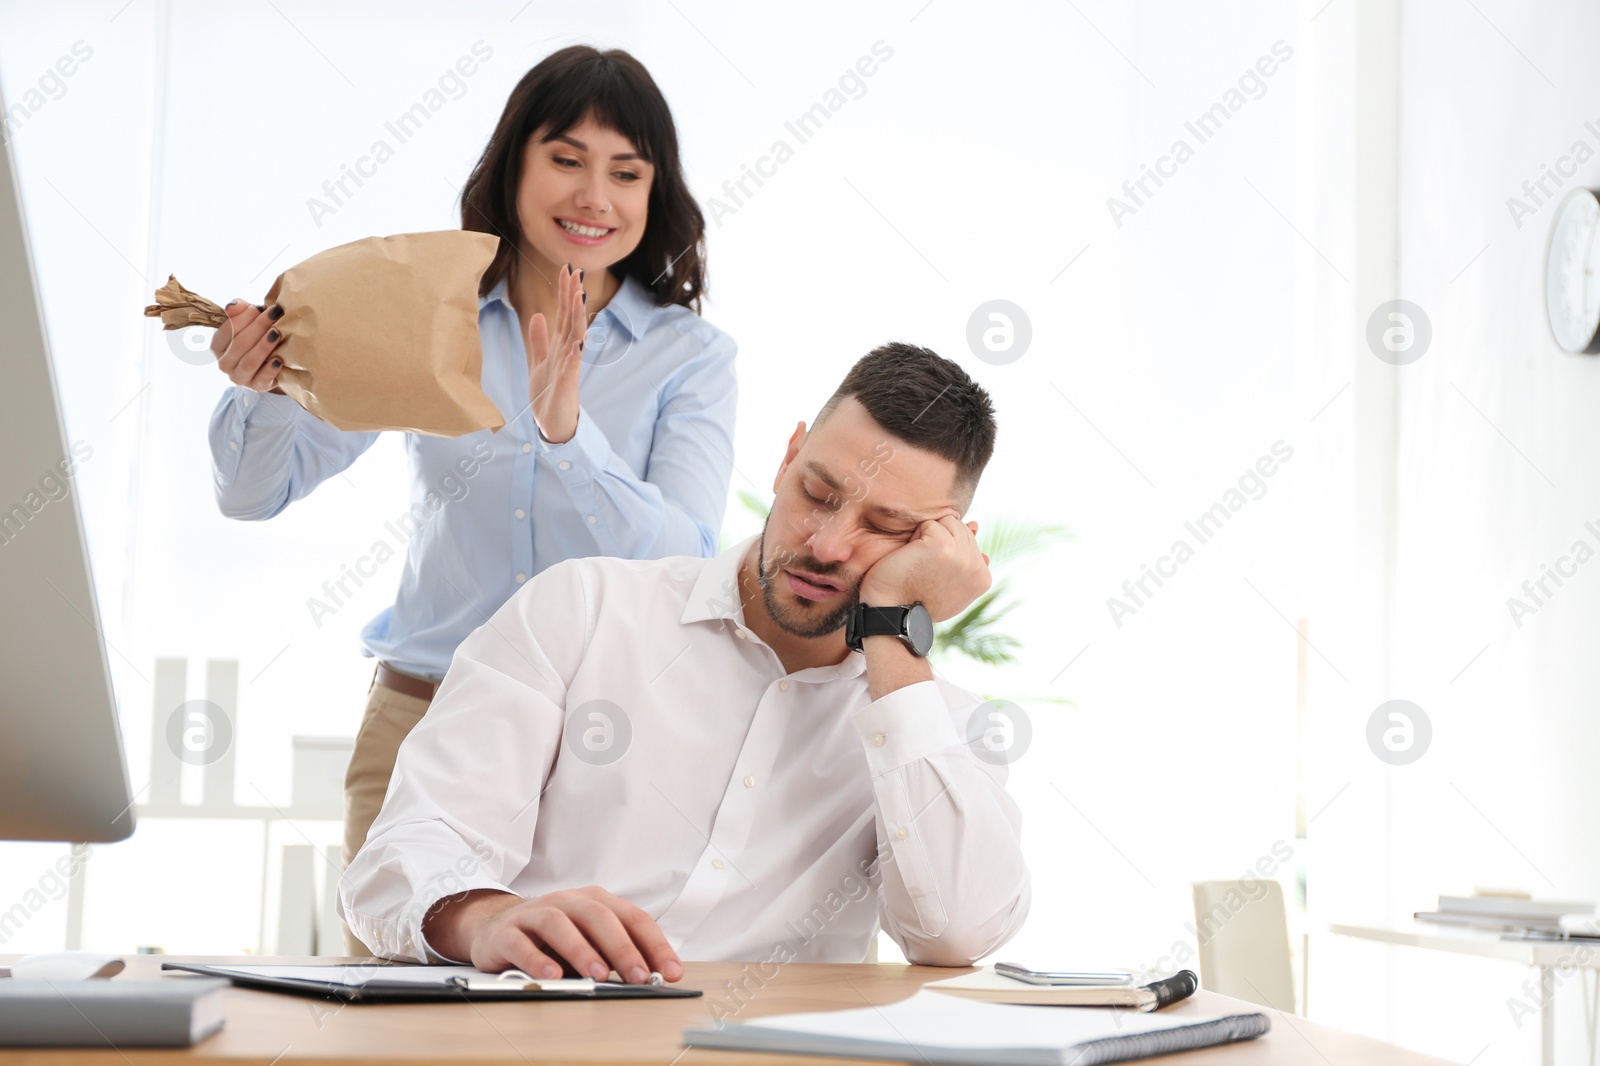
column 178, row 308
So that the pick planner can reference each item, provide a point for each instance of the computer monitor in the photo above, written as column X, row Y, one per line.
column 63, row 775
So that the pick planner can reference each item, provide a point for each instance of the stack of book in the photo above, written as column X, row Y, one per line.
column 1505, row 914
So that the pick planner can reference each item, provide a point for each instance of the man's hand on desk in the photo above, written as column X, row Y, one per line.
column 591, row 930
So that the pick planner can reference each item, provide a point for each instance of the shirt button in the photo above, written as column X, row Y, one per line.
column 521, row 577
column 901, row 833
column 783, row 686
column 526, row 448
column 564, row 465
column 739, row 633
column 521, row 513
column 234, row 445
column 749, row 781
column 592, row 519
column 878, row 739
column 717, row 864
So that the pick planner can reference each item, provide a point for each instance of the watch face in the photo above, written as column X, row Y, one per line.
column 919, row 627
column 1572, row 291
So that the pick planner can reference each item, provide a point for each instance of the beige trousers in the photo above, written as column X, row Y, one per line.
column 389, row 716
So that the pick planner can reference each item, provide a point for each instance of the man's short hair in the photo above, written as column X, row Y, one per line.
column 927, row 401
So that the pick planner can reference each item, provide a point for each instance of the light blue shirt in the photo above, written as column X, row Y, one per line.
column 645, row 476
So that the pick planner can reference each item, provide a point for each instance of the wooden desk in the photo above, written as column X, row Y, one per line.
column 268, row 1028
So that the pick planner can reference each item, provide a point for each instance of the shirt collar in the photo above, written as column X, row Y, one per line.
column 496, row 293
column 716, row 590
column 632, row 307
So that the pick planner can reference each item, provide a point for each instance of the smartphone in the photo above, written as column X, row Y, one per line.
column 1063, row 977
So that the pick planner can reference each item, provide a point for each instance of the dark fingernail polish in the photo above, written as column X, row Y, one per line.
column 582, row 274
column 261, row 307
column 232, row 302
column 277, row 363
column 273, row 334
column 276, row 313
column 585, row 297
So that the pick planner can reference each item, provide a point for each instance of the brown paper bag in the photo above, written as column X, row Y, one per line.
column 380, row 333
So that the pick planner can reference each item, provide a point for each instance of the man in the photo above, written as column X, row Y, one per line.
column 636, row 760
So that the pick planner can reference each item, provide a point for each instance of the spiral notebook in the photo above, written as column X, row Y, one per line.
column 931, row 1027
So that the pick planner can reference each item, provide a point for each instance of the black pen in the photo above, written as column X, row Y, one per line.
column 1168, row 991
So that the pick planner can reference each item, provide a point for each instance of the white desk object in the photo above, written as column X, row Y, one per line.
column 1545, row 955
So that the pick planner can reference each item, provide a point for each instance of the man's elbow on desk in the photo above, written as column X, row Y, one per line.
column 958, row 946
column 944, row 951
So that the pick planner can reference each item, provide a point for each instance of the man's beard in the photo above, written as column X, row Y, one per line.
column 807, row 626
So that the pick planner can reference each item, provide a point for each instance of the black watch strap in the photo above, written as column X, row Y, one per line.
column 867, row 621
column 910, row 623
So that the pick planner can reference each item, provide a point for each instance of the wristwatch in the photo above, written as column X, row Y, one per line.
column 913, row 625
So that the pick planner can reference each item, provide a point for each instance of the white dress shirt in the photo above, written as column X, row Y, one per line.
column 616, row 724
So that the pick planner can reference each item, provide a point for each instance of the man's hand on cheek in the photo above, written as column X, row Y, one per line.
column 941, row 568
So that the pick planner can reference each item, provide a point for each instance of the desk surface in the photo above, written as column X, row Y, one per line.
column 265, row 1027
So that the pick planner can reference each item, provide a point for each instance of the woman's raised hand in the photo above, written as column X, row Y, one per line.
column 555, row 360
column 244, row 345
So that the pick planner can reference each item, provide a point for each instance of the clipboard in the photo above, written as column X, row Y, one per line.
column 401, row 983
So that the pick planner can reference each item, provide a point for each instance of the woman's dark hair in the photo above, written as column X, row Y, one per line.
column 555, row 96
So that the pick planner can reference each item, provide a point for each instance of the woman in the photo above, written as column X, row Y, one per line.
column 618, row 397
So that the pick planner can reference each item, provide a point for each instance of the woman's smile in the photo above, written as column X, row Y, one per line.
column 579, row 231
